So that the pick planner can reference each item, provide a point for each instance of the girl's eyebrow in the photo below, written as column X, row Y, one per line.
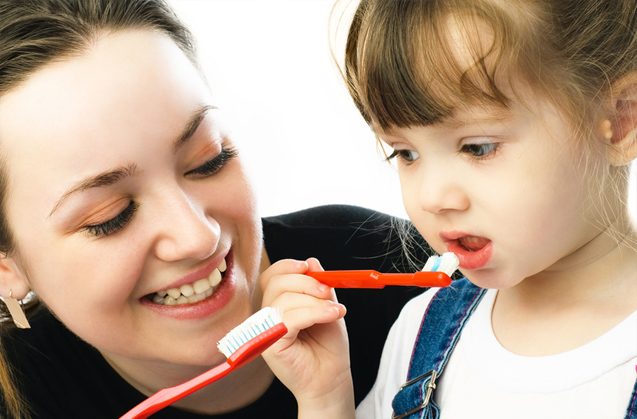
column 113, row 176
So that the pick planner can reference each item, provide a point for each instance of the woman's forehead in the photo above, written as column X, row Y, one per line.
column 121, row 83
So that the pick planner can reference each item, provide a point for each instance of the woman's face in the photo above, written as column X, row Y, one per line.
column 122, row 187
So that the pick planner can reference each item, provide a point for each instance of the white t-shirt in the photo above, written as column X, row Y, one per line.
column 484, row 380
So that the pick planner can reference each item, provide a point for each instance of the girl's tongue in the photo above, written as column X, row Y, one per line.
column 473, row 243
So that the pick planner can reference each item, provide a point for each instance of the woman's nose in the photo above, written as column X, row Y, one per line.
column 185, row 230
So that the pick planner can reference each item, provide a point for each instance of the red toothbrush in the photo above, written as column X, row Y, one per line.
column 436, row 273
column 241, row 345
column 375, row 279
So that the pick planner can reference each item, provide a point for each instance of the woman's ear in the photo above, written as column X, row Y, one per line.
column 620, row 129
column 12, row 279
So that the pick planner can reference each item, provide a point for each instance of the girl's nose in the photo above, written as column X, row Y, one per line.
column 185, row 231
column 439, row 193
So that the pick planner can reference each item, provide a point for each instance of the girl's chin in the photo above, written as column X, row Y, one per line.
column 490, row 278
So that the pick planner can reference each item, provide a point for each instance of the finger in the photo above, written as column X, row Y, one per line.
column 295, row 283
column 314, row 265
column 300, row 312
column 283, row 266
column 291, row 304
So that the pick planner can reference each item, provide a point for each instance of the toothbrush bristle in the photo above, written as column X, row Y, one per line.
column 251, row 327
column 430, row 264
column 447, row 262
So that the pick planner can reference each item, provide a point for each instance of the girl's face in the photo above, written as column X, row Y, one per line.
column 504, row 190
column 123, row 186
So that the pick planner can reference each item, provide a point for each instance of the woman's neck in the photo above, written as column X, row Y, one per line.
column 236, row 390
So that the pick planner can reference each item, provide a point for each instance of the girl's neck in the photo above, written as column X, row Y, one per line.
column 600, row 263
column 573, row 302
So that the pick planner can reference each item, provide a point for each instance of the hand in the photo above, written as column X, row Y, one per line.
column 312, row 359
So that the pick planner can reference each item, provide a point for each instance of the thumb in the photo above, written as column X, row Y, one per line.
column 314, row 265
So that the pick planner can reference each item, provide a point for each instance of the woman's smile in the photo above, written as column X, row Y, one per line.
column 196, row 298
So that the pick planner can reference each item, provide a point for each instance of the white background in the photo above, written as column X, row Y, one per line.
column 269, row 64
column 270, row 67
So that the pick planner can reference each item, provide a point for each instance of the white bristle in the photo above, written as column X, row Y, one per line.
column 429, row 265
column 254, row 325
column 448, row 263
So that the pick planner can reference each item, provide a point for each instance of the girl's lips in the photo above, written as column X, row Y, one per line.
column 473, row 252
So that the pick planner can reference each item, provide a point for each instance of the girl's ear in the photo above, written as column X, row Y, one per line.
column 12, row 280
column 620, row 129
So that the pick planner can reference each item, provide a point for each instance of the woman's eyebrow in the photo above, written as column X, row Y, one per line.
column 113, row 176
column 107, row 178
column 192, row 126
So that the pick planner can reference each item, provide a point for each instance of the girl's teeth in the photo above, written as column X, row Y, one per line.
column 191, row 293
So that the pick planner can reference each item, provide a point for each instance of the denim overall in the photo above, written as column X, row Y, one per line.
column 439, row 332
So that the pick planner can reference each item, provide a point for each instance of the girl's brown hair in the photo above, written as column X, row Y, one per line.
column 401, row 70
column 34, row 33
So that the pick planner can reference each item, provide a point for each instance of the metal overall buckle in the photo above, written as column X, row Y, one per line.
column 431, row 386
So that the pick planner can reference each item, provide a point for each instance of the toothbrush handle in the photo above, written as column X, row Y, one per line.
column 375, row 279
column 244, row 354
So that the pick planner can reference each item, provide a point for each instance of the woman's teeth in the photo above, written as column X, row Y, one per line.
column 193, row 292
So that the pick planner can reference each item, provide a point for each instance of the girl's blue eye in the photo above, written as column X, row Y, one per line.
column 215, row 164
column 114, row 224
column 408, row 156
column 479, row 150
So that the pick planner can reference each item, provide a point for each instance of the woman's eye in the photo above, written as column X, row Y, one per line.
column 407, row 156
column 212, row 166
column 480, row 150
column 114, row 224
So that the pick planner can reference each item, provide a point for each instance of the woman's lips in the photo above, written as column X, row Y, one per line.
column 202, row 309
column 222, row 294
column 473, row 252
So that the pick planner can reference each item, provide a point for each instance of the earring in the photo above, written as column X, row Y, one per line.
column 607, row 129
column 16, row 312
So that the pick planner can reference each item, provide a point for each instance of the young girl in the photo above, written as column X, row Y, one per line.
column 513, row 125
column 126, row 209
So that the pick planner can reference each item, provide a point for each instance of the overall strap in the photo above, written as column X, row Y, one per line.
column 631, row 412
column 439, row 332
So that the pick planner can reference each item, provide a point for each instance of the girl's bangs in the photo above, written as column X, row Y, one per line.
column 418, row 69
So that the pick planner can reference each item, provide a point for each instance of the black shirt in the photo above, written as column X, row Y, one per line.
column 60, row 376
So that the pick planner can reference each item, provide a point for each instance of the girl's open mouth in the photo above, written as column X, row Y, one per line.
column 473, row 252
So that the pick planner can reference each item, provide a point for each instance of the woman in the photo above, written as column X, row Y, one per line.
column 127, row 211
